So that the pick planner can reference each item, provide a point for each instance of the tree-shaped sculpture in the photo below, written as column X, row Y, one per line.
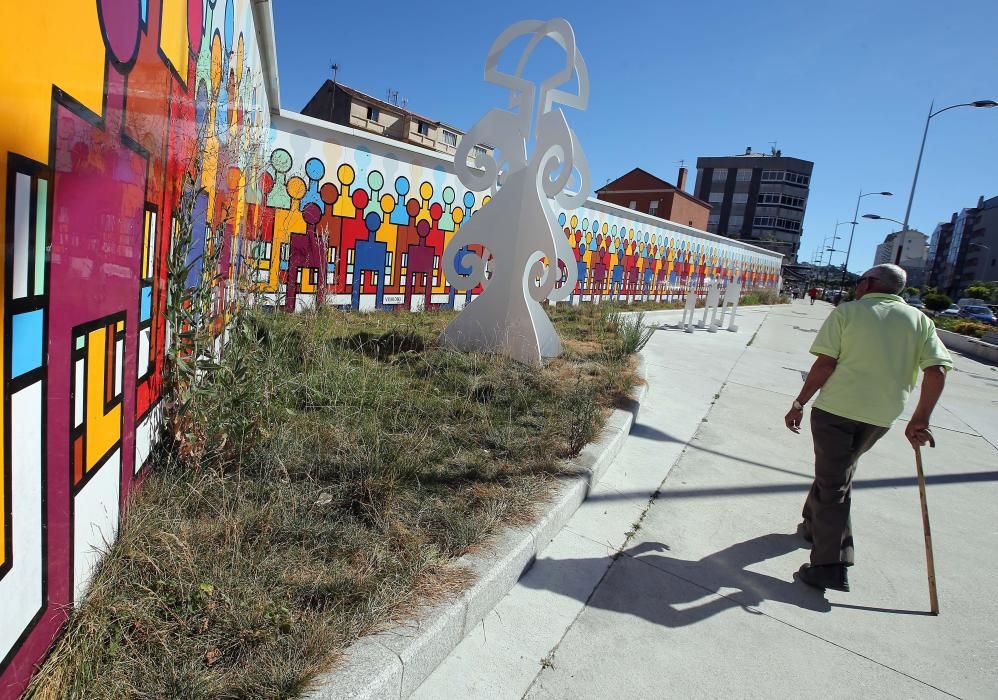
column 518, row 227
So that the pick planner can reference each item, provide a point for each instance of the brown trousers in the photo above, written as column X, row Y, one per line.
column 838, row 444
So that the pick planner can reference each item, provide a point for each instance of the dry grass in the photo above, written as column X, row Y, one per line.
column 322, row 483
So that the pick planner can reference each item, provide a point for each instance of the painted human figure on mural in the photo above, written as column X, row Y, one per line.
column 419, row 267
column 308, row 255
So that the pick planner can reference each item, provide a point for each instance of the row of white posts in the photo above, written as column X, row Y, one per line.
column 730, row 300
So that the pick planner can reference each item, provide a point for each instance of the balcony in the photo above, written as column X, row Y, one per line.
column 367, row 125
column 424, row 141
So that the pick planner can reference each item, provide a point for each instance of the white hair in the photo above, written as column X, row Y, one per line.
column 891, row 279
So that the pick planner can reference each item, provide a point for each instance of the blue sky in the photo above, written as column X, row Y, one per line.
column 845, row 84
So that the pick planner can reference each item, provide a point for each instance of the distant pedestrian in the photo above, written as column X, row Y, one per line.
column 869, row 353
column 813, row 293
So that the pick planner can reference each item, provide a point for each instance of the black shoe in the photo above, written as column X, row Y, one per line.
column 832, row 576
column 804, row 530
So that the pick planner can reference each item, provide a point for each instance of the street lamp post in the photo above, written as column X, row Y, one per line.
column 921, row 150
column 900, row 246
column 852, row 231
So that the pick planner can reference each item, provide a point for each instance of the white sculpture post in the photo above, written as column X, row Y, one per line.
column 689, row 311
column 714, row 323
column 713, row 294
column 732, row 296
column 518, row 227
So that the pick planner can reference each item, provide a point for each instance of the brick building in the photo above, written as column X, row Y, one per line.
column 642, row 191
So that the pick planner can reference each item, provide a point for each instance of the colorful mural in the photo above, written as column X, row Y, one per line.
column 364, row 223
column 117, row 112
column 107, row 104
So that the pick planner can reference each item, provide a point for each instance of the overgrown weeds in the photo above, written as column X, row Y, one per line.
column 323, row 479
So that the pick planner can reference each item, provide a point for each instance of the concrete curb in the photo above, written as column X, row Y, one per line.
column 393, row 664
column 969, row 346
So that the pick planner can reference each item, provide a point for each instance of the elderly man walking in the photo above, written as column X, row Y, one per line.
column 868, row 353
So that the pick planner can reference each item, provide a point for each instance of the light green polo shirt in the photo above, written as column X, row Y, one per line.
column 880, row 343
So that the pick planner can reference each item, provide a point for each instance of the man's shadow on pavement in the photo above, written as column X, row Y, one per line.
column 677, row 592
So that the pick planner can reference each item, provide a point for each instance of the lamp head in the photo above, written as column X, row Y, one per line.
column 984, row 103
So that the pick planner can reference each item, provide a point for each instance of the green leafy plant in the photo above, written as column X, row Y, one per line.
column 985, row 291
column 630, row 332
column 936, row 302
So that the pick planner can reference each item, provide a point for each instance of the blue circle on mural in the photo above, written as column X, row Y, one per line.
column 459, row 265
column 561, row 219
column 402, row 185
column 372, row 221
column 595, row 226
column 314, row 168
column 469, row 200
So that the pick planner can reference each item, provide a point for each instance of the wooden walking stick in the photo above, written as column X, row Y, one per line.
column 933, row 598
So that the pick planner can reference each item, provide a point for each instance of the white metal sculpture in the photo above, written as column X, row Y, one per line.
column 689, row 311
column 530, row 255
column 731, row 296
column 713, row 296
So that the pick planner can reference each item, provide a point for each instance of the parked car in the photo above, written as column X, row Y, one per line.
column 978, row 313
column 916, row 302
column 952, row 312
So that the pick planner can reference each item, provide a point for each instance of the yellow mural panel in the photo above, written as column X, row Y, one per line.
column 173, row 39
column 103, row 430
column 32, row 60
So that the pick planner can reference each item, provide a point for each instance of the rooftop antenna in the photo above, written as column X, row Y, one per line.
column 681, row 163
column 772, row 150
column 335, row 67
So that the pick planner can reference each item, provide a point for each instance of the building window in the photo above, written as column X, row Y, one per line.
column 740, row 198
column 713, row 219
column 479, row 150
column 449, row 138
column 633, row 204
column 735, row 221
column 373, row 113
column 772, row 176
column 715, row 197
column 797, row 179
column 720, row 175
column 653, row 208
column 744, row 175
column 423, row 129
column 769, row 198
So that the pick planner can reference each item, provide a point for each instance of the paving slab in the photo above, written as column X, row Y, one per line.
column 500, row 657
column 649, row 634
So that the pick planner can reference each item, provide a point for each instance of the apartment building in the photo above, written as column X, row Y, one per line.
column 339, row 104
column 756, row 197
column 965, row 248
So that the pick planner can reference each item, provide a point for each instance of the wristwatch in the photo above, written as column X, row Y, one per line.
column 798, row 406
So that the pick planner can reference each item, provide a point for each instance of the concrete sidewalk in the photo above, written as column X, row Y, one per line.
column 689, row 592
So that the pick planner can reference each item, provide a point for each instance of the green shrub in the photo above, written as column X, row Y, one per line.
column 937, row 302
column 632, row 334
